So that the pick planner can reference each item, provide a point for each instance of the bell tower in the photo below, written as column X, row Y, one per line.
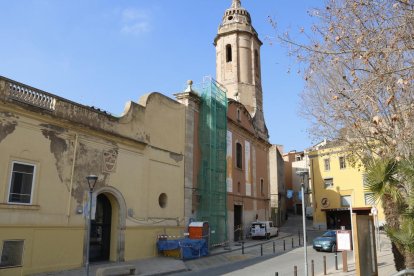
column 238, row 62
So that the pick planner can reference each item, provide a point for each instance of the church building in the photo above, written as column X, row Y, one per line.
column 247, row 146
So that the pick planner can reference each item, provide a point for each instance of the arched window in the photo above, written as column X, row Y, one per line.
column 228, row 53
column 238, row 115
column 239, row 156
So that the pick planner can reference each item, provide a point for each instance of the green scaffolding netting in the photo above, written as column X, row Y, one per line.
column 212, row 173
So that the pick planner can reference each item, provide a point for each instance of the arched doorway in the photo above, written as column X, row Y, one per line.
column 100, row 239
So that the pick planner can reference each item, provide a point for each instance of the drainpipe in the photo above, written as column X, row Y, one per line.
column 71, row 178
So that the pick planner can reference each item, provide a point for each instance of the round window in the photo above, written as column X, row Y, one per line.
column 230, row 17
column 162, row 200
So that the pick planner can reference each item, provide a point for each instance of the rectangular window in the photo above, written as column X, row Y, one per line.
column 364, row 180
column 239, row 156
column 327, row 164
column 228, row 53
column 346, row 201
column 261, row 187
column 369, row 199
column 11, row 253
column 21, row 183
column 342, row 163
column 328, row 182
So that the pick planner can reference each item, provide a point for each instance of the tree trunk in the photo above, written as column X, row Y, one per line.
column 392, row 218
column 409, row 259
column 399, row 258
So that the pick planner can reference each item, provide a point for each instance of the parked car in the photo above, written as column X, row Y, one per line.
column 327, row 242
column 263, row 229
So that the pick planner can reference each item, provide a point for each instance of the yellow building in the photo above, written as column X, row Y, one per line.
column 336, row 187
column 49, row 145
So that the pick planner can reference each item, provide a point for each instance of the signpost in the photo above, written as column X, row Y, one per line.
column 343, row 243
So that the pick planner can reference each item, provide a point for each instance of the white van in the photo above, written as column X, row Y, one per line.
column 264, row 229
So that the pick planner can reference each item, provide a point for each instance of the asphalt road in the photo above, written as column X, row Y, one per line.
column 261, row 259
column 282, row 262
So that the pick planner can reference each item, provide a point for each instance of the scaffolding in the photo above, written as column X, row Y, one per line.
column 212, row 172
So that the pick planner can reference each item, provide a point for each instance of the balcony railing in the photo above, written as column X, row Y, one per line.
column 32, row 97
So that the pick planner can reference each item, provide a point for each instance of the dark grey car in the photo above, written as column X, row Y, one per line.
column 327, row 242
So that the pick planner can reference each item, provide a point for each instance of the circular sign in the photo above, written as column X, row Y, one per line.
column 325, row 202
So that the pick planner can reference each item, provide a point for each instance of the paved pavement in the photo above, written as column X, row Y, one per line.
column 261, row 257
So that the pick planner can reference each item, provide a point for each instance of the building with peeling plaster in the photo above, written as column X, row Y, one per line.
column 49, row 145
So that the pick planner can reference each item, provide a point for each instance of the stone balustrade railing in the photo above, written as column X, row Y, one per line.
column 36, row 98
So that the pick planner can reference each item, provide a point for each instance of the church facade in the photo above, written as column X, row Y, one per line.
column 238, row 73
column 238, row 69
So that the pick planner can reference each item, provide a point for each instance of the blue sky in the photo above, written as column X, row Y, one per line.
column 105, row 53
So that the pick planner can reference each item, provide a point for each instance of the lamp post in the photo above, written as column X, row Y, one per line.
column 302, row 186
column 91, row 183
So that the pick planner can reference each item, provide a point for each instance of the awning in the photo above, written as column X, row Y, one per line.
column 346, row 209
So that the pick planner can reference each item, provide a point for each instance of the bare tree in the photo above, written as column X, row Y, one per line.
column 360, row 67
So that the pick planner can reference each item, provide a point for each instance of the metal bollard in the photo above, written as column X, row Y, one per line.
column 284, row 245
column 313, row 268
column 292, row 242
column 324, row 265
column 274, row 247
column 261, row 249
column 243, row 248
column 336, row 260
column 295, row 270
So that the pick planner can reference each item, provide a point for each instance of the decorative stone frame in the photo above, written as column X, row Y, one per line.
column 114, row 195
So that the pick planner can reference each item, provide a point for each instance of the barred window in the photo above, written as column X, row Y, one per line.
column 11, row 253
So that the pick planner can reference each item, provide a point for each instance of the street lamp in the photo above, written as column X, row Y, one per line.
column 91, row 183
column 302, row 186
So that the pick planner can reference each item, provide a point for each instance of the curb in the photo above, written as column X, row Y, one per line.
column 239, row 248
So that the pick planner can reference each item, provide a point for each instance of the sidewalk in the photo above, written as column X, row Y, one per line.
column 150, row 266
column 385, row 260
column 267, row 265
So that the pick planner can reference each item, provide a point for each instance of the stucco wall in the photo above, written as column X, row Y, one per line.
column 133, row 158
column 348, row 181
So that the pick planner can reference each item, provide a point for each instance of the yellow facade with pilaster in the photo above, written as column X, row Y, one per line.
column 49, row 145
column 337, row 186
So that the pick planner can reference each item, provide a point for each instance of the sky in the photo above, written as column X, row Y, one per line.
column 104, row 53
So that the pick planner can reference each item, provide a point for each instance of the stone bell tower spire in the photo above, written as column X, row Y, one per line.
column 238, row 62
column 236, row 4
